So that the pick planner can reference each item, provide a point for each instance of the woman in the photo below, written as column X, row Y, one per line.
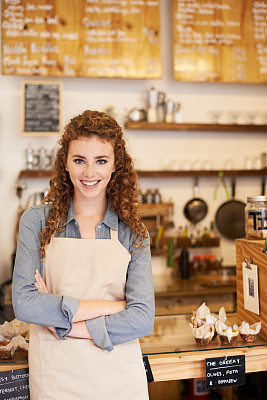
column 88, row 301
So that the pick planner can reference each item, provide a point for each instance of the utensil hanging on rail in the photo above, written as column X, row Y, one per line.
column 230, row 216
column 195, row 210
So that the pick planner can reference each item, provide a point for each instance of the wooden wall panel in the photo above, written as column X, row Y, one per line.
column 220, row 40
column 81, row 38
column 254, row 249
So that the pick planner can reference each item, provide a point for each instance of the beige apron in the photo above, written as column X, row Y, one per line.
column 76, row 369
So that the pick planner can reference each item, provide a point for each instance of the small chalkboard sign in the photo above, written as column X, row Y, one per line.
column 41, row 107
column 225, row 371
column 15, row 384
column 149, row 374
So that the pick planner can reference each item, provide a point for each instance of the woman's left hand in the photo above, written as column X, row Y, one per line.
column 41, row 286
column 39, row 282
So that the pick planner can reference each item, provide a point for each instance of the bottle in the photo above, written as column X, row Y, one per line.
column 184, row 264
column 195, row 264
column 30, row 158
column 170, row 252
column 205, row 237
column 201, row 262
column 212, row 232
column 180, row 233
column 149, row 196
column 156, row 196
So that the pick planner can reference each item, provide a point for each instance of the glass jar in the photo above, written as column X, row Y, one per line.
column 256, row 217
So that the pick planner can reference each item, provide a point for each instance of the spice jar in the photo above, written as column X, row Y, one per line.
column 256, row 217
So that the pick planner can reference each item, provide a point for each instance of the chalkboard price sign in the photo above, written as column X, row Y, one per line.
column 225, row 371
column 15, row 384
column 41, row 107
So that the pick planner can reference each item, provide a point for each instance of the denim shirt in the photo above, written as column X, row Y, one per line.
column 47, row 309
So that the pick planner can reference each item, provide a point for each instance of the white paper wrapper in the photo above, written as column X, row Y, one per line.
column 202, row 316
column 247, row 329
column 20, row 342
column 14, row 328
column 222, row 315
column 205, row 331
column 202, row 311
column 227, row 331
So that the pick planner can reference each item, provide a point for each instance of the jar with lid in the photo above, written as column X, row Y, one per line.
column 256, row 217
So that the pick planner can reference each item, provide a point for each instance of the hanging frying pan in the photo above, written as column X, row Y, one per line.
column 230, row 217
column 196, row 208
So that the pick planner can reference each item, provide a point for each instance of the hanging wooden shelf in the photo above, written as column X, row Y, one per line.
column 161, row 174
column 172, row 126
column 31, row 173
column 215, row 173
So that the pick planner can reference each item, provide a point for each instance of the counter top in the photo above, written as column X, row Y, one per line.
column 173, row 353
column 165, row 285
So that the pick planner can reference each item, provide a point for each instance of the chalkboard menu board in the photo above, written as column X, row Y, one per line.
column 14, row 385
column 225, row 371
column 100, row 38
column 41, row 107
column 220, row 40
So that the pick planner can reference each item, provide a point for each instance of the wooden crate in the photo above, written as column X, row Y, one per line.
column 254, row 249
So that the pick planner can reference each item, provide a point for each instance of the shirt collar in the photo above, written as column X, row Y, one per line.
column 110, row 218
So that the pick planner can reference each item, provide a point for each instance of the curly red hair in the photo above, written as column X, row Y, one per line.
column 122, row 188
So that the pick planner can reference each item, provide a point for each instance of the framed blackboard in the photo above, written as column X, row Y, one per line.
column 41, row 107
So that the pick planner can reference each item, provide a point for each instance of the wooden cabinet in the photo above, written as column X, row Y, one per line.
column 252, row 249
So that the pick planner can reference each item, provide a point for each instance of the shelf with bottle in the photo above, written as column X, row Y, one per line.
column 196, row 238
column 196, row 251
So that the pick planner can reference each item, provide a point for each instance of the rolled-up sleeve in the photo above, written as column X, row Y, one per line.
column 137, row 319
column 29, row 304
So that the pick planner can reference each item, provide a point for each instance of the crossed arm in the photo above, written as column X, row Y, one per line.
column 87, row 309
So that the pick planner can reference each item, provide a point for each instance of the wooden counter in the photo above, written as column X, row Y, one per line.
column 181, row 296
column 173, row 354
column 11, row 366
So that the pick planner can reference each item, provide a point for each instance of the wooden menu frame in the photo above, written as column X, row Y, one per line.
column 105, row 39
column 41, row 107
column 220, row 41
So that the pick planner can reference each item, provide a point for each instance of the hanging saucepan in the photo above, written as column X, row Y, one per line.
column 230, row 217
column 196, row 208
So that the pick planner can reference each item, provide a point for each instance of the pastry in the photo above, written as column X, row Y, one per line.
column 7, row 350
column 12, row 338
column 203, row 334
column 248, row 332
column 227, row 334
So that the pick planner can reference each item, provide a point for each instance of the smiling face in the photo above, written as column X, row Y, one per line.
column 90, row 164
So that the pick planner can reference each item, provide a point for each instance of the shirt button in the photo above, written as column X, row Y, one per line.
column 99, row 226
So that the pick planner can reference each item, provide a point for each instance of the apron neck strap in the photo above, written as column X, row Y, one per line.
column 113, row 234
